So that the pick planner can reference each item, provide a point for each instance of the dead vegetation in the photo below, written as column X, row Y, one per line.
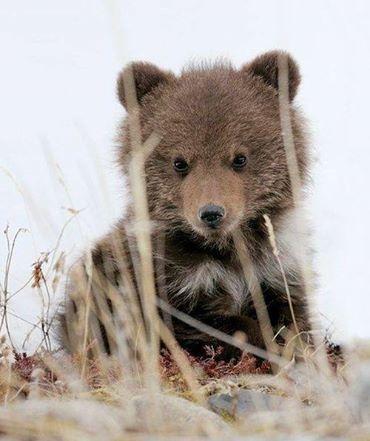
column 50, row 395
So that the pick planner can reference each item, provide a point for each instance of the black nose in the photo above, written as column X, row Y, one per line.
column 211, row 215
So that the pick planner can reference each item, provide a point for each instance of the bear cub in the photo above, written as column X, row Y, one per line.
column 219, row 167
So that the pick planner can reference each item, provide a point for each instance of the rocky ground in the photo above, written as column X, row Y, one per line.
column 45, row 398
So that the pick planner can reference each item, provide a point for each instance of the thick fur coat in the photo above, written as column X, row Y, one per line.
column 219, row 167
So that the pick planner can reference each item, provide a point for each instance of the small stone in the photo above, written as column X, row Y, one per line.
column 246, row 402
column 178, row 415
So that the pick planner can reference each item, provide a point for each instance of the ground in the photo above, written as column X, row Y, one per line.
column 51, row 396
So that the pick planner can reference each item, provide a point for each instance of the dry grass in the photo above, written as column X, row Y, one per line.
column 49, row 395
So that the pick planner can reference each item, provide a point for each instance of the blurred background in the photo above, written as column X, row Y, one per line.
column 59, row 112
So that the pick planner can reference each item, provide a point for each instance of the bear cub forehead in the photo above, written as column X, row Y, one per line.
column 215, row 111
column 211, row 106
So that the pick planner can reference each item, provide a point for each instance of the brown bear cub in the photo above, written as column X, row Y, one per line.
column 219, row 167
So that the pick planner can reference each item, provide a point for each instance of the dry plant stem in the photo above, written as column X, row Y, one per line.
column 67, row 376
column 296, row 185
column 150, row 144
column 45, row 322
column 286, row 129
column 57, row 176
column 64, row 185
column 29, row 333
column 8, row 383
column 161, row 279
column 142, row 231
column 126, row 322
column 256, row 293
column 92, row 314
column 290, row 345
column 53, row 252
column 86, row 317
column 13, row 314
column 182, row 362
column 5, row 287
column 21, row 288
column 127, row 297
column 219, row 335
column 272, row 239
column 29, row 204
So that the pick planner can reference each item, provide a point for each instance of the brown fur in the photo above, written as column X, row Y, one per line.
column 207, row 116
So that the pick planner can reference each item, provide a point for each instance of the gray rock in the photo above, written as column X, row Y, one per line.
column 61, row 419
column 94, row 420
column 178, row 415
column 246, row 402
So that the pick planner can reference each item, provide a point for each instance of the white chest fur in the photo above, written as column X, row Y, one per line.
column 212, row 279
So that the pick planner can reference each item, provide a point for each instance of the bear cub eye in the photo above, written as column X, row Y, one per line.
column 239, row 162
column 180, row 165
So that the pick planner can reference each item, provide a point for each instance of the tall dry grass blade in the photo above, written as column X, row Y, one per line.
column 88, row 271
column 141, row 213
column 142, row 230
column 296, row 186
column 126, row 302
column 276, row 252
column 182, row 362
column 5, row 294
column 256, row 293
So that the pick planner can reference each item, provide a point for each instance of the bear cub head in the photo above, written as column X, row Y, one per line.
column 221, row 162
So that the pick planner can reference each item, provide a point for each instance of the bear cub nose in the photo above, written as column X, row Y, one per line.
column 211, row 215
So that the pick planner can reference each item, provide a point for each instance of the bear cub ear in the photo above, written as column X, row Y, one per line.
column 146, row 78
column 266, row 67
